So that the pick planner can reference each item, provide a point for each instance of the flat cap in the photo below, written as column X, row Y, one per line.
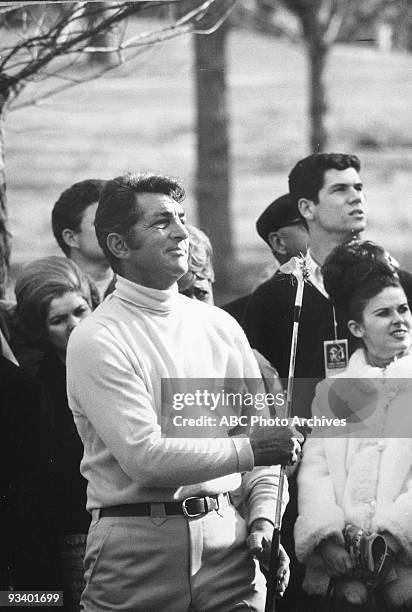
column 281, row 212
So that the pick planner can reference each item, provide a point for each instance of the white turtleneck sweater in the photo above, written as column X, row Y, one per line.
column 115, row 362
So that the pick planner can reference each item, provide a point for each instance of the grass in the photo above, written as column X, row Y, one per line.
column 142, row 118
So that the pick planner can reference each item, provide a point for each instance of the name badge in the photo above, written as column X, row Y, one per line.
column 335, row 353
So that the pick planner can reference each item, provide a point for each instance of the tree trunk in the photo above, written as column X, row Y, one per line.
column 4, row 233
column 213, row 155
column 317, row 53
column 94, row 13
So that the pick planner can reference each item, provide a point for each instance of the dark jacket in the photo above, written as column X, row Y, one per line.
column 27, row 548
column 65, row 449
column 18, row 401
column 47, row 493
column 237, row 308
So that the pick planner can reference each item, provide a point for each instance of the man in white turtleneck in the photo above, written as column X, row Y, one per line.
column 164, row 534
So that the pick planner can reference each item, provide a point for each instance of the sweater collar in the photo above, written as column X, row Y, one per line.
column 157, row 300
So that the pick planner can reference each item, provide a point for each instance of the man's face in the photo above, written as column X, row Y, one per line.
column 295, row 238
column 158, row 243
column 86, row 239
column 341, row 203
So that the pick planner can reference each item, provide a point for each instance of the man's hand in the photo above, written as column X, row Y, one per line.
column 260, row 540
column 283, row 573
column 336, row 559
column 276, row 445
column 259, row 543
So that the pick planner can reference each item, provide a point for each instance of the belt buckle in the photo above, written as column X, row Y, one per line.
column 186, row 511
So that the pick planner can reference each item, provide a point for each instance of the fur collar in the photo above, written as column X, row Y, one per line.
column 368, row 380
column 358, row 367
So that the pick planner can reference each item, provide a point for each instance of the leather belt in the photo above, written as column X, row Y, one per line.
column 191, row 507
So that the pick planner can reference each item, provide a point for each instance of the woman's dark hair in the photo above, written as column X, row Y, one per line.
column 37, row 285
column 355, row 272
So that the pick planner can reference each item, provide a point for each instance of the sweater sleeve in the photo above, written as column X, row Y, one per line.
column 111, row 395
column 260, row 489
column 319, row 515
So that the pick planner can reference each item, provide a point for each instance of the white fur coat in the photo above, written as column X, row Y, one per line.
column 363, row 479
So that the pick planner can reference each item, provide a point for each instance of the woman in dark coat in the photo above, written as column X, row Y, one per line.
column 48, row 498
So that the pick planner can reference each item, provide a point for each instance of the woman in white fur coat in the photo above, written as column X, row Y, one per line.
column 363, row 478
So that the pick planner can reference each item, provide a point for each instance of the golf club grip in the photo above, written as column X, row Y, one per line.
column 273, row 568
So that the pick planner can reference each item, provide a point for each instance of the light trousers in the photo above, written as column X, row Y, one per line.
column 171, row 564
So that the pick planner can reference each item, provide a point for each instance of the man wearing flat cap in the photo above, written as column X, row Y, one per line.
column 282, row 228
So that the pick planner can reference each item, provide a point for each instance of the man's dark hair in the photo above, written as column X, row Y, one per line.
column 69, row 209
column 118, row 209
column 307, row 177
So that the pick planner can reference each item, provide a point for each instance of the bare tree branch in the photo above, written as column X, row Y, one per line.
column 218, row 23
column 251, row 19
column 323, row 22
column 41, row 41
column 8, row 9
column 339, row 14
column 39, row 99
column 140, row 42
column 67, row 35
